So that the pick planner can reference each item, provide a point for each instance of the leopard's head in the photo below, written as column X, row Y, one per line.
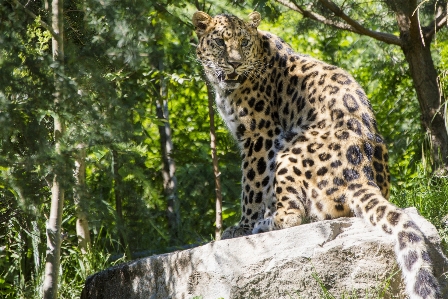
column 228, row 48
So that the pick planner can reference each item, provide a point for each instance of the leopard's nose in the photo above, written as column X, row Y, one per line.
column 235, row 64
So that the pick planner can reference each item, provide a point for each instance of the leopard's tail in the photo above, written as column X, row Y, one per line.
column 410, row 248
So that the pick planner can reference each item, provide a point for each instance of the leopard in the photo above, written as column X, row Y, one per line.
column 308, row 138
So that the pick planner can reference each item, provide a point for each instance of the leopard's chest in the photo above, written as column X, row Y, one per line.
column 228, row 112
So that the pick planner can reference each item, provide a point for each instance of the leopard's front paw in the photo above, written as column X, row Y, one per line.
column 235, row 232
column 264, row 225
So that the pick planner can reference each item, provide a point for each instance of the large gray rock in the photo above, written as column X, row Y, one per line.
column 344, row 255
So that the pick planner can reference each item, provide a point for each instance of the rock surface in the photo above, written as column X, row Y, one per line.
column 344, row 255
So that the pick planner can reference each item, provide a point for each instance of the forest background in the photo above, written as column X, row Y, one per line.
column 120, row 122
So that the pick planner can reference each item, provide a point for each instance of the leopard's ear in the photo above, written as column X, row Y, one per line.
column 201, row 20
column 254, row 19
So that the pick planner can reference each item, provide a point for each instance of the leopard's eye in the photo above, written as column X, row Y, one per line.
column 220, row 42
column 244, row 42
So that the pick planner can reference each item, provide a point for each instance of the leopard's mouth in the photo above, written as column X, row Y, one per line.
column 230, row 78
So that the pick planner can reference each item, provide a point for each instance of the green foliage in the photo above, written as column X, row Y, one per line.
column 441, row 54
column 117, row 54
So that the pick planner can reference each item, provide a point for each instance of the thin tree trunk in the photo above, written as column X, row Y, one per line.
column 35, row 241
column 50, row 284
column 169, row 166
column 216, row 173
column 82, row 223
column 117, row 185
column 118, row 191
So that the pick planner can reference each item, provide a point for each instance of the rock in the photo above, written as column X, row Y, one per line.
column 344, row 255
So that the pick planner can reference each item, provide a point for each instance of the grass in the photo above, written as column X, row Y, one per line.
column 75, row 266
column 78, row 266
column 430, row 196
column 378, row 293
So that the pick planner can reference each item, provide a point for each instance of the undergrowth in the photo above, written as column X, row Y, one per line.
column 429, row 195
column 75, row 267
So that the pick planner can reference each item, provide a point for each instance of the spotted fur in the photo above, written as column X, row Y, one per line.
column 309, row 141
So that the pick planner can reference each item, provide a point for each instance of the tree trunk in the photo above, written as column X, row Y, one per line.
column 117, row 186
column 418, row 55
column 431, row 100
column 169, row 167
column 50, row 284
column 82, row 223
column 118, row 191
column 35, row 241
column 216, row 173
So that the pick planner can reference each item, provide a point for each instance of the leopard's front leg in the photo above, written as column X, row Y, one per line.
column 289, row 191
column 258, row 195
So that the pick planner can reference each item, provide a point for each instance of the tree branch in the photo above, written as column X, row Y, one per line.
column 349, row 25
column 415, row 29
column 42, row 23
column 440, row 22
column 384, row 37
column 314, row 16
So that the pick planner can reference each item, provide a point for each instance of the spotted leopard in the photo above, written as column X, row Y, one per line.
column 309, row 141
